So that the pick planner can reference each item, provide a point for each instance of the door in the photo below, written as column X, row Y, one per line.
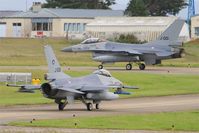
column 16, row 29
column 2, row 29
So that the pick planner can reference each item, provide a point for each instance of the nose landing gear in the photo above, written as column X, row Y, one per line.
column 128, row 66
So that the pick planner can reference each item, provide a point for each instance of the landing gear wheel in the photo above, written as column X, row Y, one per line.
column 128, row 67
column 97, row 106
column 61, row 106
column 89, row 106
column 142, row 66
column 100, row 67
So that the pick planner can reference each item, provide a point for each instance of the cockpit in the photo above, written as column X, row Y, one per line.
column 102, row 72
column 92, row 40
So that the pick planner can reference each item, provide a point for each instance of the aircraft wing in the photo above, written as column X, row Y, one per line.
column 28, row 88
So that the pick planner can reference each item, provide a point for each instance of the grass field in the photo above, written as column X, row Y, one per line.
column 184, row 121
column 149, row 84
column 29, row 52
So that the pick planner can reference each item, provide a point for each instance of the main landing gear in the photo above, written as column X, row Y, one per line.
column 89, row 105
column 141, row 66
column 61, row 104
column 128, row 66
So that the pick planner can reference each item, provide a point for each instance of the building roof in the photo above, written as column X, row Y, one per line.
column 29, row 14
column 8, row 13
column 85, row 13
column 68, row 13
column 132, row 21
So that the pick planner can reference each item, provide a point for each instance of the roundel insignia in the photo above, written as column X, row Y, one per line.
column 53, row 62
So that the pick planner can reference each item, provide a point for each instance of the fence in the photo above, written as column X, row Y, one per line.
column 16, row 77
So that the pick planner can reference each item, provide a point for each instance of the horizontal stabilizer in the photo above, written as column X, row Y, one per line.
column 27, row 86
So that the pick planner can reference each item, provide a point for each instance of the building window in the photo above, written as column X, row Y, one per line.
column 39, row 27
column 45, row 27
column 34, row 26
column 74, row 27
column 42, row 25
column 16, row 24
column 197, row 31
column 84, row 27
column 78, row 27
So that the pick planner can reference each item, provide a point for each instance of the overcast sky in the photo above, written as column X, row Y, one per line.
column 23, row 4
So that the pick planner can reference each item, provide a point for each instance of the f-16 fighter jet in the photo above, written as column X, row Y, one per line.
column 90, row 89
column 165, row 47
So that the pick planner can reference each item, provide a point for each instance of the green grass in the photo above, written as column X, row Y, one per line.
column 184, row 121
column 29, row 52
column 149, row 84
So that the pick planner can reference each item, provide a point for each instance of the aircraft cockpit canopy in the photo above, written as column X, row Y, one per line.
column 103, row 73
column 92, row 40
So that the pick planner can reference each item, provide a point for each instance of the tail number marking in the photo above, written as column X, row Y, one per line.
column 164, row 38
column 58, row 69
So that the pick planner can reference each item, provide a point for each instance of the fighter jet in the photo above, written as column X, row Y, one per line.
column 90, row 89
column 165, row 47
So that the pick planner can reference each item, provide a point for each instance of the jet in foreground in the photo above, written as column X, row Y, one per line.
column 165, row 47
column 90, row 89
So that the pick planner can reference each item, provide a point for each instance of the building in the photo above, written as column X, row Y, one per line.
column 3, row 24
column 41, row 22
column 84, row 23
column 195, row 27
column 144, row 28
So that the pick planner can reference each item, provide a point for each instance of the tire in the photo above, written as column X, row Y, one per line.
column 89, row 106
column 128, row 67
column 61, row 106
column 97, row 106
column 100, row 67
column 142, row 66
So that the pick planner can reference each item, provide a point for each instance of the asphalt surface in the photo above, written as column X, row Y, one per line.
column 149, row 69
column 123, row 106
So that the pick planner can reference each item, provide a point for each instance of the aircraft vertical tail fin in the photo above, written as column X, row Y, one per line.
column 171, row 34
column 53, row 64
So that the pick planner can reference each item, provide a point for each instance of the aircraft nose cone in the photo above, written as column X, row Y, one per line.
column 67, row 49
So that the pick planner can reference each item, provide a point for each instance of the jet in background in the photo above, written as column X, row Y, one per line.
column 90, row 89
column 151, row 53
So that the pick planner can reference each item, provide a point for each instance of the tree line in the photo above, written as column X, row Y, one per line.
column 134, row 8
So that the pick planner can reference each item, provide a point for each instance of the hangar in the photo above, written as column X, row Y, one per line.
column 195, row 26
column 144, row 28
